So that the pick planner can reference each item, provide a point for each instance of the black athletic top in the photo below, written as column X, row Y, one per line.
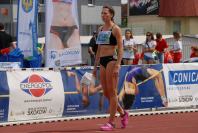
column 106, row 37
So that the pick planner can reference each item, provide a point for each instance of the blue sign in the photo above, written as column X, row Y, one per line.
column 183, row 77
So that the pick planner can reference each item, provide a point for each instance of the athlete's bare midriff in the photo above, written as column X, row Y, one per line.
column 107, row 50
column 62, row 14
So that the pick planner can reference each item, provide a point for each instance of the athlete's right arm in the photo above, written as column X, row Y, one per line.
column 97, row 59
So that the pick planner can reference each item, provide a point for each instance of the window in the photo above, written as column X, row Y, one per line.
column 90, row 2
column 177, row 26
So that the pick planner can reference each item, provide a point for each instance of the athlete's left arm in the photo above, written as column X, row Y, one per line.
column 118, row 34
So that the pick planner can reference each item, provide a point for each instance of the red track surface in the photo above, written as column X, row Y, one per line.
column 165, row 123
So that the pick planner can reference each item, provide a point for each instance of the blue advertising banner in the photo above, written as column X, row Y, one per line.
column 183, row 77
column 4, row 97
column 82, row 96
column 31, row 94
column 142, row 87
column 27, row 27
column 139, row 87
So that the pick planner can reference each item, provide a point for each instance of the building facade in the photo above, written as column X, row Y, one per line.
column 8, row 15
column 170, row 16
column 90, row 12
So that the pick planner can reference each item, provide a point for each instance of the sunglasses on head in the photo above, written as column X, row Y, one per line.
column 148, row 35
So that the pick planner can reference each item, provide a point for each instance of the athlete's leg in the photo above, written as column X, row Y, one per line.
column 159, row 84
column 103, row 81
column 158, row 80
column 111, row 84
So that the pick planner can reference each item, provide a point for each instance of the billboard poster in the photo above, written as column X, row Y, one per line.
column 83, row 93
column 139, row 87
column 35, row 95
column 63, row 46
column 142, row 87
column 181, row 84
column 143, row 7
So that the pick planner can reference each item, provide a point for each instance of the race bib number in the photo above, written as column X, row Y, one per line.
column 103, row 37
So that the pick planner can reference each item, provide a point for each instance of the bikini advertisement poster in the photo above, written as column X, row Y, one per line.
column 63, row 47
column 27, row 27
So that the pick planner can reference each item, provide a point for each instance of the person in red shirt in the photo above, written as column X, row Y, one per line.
column 194, row 52
column 160, row 47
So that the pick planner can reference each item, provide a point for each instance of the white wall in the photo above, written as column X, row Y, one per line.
column 91, row 15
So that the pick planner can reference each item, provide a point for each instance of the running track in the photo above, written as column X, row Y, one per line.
column 160, row 123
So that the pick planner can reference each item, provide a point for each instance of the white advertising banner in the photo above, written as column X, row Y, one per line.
column 27, row 26
column 35, row 95
column 181, row 84
column 63, row 46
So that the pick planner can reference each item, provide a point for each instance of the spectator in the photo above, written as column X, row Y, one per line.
column 136, row 59
column 160, row 47
column 5, row 40
column 93, row 47
column 194, row 54
column 194, row 51
column 177, row 48
column 149, row 49
column 130, row 48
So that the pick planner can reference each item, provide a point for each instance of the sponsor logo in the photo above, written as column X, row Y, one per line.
column 36, row 85
column 27, row 5
column 53, row 54
column 183, row 77
column 70, row 52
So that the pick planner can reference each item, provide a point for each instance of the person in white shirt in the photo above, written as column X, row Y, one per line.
column 130, row 48
column 149, row 49
column 177, row 48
